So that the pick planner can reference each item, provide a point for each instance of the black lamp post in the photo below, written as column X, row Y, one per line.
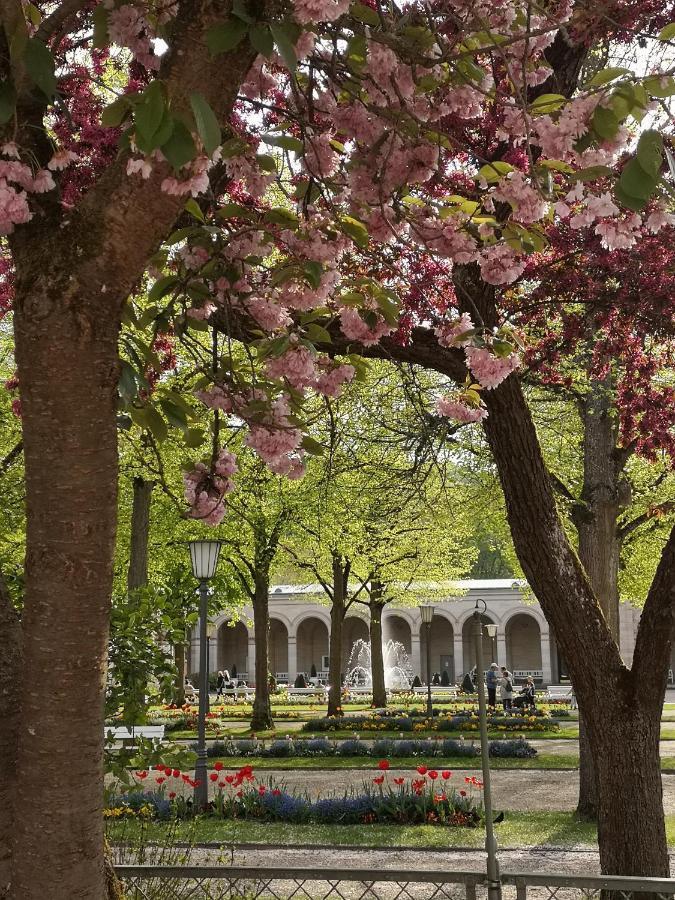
column 427, row 613
column 204, row 556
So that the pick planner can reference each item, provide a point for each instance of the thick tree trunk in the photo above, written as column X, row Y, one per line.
column 376, row 652
column 10, row 677
column 66, row 347
column 180, row 659
column 261, row 719
column 337, row 617
column 596, row 521
column 137, row 576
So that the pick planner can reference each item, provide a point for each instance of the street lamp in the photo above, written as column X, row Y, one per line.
column 204, row 556
column 427, row 613
column 493, row 877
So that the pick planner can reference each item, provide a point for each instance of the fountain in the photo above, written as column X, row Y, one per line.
column 398, row 674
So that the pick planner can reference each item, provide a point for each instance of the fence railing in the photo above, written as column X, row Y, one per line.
column 255, row 883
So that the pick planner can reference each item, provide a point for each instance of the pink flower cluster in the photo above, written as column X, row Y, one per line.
column 453, row 408
column 488, row 369
column 449, row 332
column 276, row 441
column 356, row 329
column 205, row 488
column 128, row 27
column 296, row 365
column 308, row 12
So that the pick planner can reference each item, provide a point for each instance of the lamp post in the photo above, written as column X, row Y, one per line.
column 494, row 884
column 427, row 613
column 204, row 557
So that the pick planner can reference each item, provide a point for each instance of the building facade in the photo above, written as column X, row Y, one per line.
column 300, row 628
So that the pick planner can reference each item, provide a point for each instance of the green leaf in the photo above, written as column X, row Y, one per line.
column 180, row 148
column 100, row 20
column 285, row 35
column 591, row 173
column 547, row 103
column 208, row 126
column 667, row 33
column 162, row 287
column 240, row 10
column 234, row 147
column 356, row 230
column 194, row 437
column 313, row 272
column 40, row 66
column 635, row 182
column 261, row 40
column 363, row 13
column 285, row 141
column 650, row 152
column 233, row 210
column 266, row 162
column 114, row 114
column 149, row 419
column 34, row 14
column 604, row 76
column 149, row 114
column 127, row 385
column 281, row 216
column 226, row 36
column 605, row 122
column 7, row 101
column 175, row 416
column 624, row 199
column 312, row 446
column 493, row 172
column 660, row 87
column 194, row 209
column 317, row 334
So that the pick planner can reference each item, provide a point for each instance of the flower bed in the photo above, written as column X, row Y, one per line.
column 426, row 798
column 299, row 748
column 405, row 723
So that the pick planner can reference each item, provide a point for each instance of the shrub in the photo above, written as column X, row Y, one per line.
column 516, row 749
column 280, row 748
column 352, row 748
column 452, row 747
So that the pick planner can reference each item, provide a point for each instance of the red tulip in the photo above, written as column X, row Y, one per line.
column 378, row 780
column 141, row 775
column 433, row 775
column 383, row 764
column 221, row 784
column 398, row 781
column 176, row 773
column 261, row 789
column 213, row 776
column 219, row 767
column 446, row 775
column 422, row 770
column 159, row 767
column 160, row 780
column 462, row 793
column 276, row 792
column 172, row 795
column 229, row 779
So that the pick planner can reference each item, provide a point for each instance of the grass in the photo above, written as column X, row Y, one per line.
column 366, row 734
column 520, row 829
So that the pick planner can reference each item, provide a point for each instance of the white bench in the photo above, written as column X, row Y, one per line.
column 154, row 732
column 300, row 692
column 559, row 692
column 244, row 692
column 450, row 691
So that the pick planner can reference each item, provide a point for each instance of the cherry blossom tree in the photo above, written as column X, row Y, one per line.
column 369, row 115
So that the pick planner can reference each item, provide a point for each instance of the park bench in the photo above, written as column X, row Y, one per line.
column 244, row 692
column 124, row 735
column 304, row 692
column 450, row 691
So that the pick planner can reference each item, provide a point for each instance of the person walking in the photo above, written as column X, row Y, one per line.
column 492, row 680
column 506, row 689
column 220, row 686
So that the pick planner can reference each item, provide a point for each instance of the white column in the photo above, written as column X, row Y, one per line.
column 547, row 677
column 213, row 653
column 501, row 647
column 416, row 654
column 458, row 654
column 292, row 658
column 250, row 660
column 194, row 651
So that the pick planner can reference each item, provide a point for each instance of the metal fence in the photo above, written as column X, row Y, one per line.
column 254, row 883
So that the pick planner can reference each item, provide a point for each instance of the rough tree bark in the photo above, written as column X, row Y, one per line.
column 137, row 575
column 10, row 676
column 338, row 611
column 596, row 521
column 74, row 270
column 261, row 719
column 376, row 605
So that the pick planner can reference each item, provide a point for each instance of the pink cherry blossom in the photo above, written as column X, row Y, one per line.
column 61, row 160
column 490, row 370
column 452, row 408
column 448, row 332
column 296, row 365
column 331, row 382
column 356, row 329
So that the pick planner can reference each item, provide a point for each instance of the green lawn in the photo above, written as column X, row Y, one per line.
column 531, row 829
column 364, row 734
column 405, row 762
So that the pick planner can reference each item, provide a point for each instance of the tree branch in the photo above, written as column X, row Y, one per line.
column 54, row 22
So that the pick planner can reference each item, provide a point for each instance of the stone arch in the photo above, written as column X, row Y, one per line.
column 355, row 628
column 523, row 642
column 396, row 627
column 278, row 648
column 233, row 647
column 312, row 637
column 441, row 647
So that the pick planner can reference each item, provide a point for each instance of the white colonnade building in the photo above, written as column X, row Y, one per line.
column 300, row 628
